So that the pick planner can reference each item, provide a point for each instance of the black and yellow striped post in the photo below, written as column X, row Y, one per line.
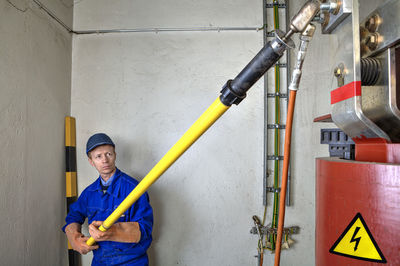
column 70, row 176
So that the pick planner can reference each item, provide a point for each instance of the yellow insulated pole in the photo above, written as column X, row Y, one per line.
column 233, row 92
column 206, row 120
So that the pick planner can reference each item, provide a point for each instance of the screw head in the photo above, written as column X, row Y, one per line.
column 372, row 23
column 372, row 41
column 338, row 72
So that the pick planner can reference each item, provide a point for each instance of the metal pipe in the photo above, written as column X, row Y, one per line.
column 52, row 15
column 156, row 30
column 265, row 159
column 139, row 30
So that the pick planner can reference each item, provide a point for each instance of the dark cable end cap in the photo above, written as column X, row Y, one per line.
column 228, row 96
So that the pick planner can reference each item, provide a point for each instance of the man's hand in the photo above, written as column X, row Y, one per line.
column 99, row 235
column 80, row 245
column 127, row 232
column 78, row 240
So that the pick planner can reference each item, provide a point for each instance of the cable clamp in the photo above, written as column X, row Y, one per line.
column 277, row 94
column 271, row 5
column 274, row 158
column 280, row 64
column 267, row 230
column 273, row 189
column 276, row 126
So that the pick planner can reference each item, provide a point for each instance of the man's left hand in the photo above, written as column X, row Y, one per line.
column 97, row 234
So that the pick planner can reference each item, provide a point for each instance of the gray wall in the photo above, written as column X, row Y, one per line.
column 35, row 78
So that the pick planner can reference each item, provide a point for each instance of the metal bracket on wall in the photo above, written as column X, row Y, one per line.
column 265, row 230
column 280, row 95
column 271, row 5
column 270, row 34
column 273, row 126
column 274, row 158
column 280, row 64
column 271, row 95
column 274, row 190
column 268, row 232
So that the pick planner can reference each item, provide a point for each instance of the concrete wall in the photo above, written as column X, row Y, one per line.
column 35, row 81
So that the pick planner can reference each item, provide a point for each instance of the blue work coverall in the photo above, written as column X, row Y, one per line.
column 97, row 206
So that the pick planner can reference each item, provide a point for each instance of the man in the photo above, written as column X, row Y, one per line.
column 126, row 242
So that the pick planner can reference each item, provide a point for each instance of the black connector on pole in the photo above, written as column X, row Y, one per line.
column 234, row 91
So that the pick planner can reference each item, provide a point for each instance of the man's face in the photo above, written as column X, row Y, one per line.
column 103, row 159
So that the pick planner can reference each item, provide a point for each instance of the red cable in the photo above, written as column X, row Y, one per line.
column 285, row 168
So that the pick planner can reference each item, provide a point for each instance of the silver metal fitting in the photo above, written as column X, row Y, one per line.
column 300, row 21
column 279, row 44
column 309, row 31
column 305, row 38
column 332, row 7
column 320, row 19
column 372, row 23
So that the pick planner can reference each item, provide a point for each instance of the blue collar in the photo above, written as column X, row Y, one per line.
column 114, row 184
column 108, row 182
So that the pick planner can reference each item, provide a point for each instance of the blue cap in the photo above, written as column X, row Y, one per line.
column 98, row 139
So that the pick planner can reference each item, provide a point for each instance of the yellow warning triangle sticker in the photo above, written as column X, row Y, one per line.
column 357, row 242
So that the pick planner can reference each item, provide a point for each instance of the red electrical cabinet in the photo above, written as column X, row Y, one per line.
column 358, row 210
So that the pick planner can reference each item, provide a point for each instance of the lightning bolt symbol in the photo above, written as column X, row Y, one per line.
column 354, row 239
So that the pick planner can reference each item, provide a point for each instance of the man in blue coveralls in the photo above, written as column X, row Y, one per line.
column 126, row 241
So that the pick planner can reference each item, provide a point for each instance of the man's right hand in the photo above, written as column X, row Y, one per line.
column 78, row 240
column 79, row 245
